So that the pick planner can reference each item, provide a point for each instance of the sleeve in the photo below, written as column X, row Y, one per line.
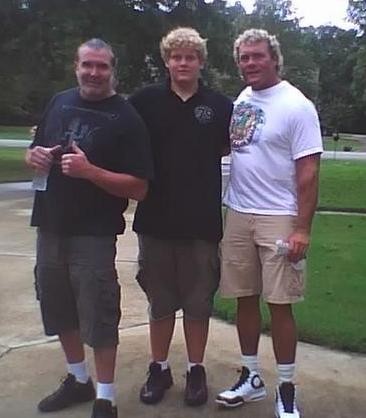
column 136, row 156
column 305, row 131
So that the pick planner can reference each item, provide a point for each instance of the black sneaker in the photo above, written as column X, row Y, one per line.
column 103, row 408
column 157, row 383
column 196, row 386
column 70, row 392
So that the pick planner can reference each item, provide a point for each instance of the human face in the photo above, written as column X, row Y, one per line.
column 184, row 66
column 257, row 65
column 95, row 73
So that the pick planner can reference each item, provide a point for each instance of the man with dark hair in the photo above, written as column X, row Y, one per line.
column 93, row 149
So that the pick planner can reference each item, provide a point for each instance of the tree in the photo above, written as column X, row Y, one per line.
column 357, row 12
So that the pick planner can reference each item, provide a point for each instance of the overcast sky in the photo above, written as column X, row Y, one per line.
column 316, row 12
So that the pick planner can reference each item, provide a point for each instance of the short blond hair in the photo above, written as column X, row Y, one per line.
column 251, row 36
column 183, row 38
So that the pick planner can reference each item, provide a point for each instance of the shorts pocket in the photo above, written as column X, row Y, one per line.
column 109, row 298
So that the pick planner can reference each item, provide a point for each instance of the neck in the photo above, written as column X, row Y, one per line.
column 92, row 98
column 267, row 86
column 184, row 90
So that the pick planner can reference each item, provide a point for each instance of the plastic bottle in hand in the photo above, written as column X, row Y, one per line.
column 283, row 249
column 39, row 181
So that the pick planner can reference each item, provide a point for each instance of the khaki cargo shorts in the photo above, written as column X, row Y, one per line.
column 250, row 264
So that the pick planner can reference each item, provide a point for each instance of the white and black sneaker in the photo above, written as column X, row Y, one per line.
column 286, row 401
column 249, row 388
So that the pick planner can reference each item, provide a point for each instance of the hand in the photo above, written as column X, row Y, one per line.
column 76, row 164
column 40, row 158
column 298, row 244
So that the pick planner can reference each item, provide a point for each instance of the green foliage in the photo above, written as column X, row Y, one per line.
column 333, row 311
column 38, row 39
column 357, row 12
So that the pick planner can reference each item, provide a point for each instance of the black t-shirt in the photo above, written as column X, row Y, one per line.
column 187, row 139
column 113, row 137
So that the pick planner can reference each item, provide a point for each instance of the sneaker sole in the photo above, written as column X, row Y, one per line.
column 277, row 414
column 223, row 402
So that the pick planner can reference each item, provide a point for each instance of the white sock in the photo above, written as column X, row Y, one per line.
column 251, row 362
column 163, row 364
column 286, row 372
column 79, row 370
column 106, row 391
column 190, row 365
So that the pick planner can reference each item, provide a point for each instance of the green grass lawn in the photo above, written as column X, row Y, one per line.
column 12, row 166
column 342, row 184
column 344, row 141
column 14, row 132
column 333, row 313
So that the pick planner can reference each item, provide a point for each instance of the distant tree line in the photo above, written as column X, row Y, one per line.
column 38, row 39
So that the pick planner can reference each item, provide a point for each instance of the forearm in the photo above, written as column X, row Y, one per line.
column 117, row 184
column 307, row 202
column 307, row 194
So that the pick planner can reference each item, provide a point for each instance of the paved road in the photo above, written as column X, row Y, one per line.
column 15, row 143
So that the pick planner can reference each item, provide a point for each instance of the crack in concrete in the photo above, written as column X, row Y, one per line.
column 24, row 255
column 4, row 350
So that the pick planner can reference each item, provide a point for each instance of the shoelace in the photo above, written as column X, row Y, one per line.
column 153, row 376
column 66, row 380
column 195, row 377
column 242, row 379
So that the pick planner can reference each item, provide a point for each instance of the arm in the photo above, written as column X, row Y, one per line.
column 118, row 184
column 307, row 176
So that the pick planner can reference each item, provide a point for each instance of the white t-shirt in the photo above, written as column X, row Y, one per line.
column 269, row 130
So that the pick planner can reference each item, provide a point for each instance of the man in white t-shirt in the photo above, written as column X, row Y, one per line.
column 271, row 198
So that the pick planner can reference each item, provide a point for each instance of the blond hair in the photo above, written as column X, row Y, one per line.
column 183, row 38
column 251, row 36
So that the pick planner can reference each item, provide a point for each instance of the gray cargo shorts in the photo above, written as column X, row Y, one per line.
column 77, row 286
column 178, row 274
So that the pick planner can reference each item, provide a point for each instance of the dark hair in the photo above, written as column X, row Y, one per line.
column 96, row 43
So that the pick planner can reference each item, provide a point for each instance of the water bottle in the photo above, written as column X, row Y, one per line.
column 283, row 248
column 39, row 181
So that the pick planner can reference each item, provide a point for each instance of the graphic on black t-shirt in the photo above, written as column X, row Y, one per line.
column 246, row 125
column 80, row 124
column 80, row 132
column 203, row 114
